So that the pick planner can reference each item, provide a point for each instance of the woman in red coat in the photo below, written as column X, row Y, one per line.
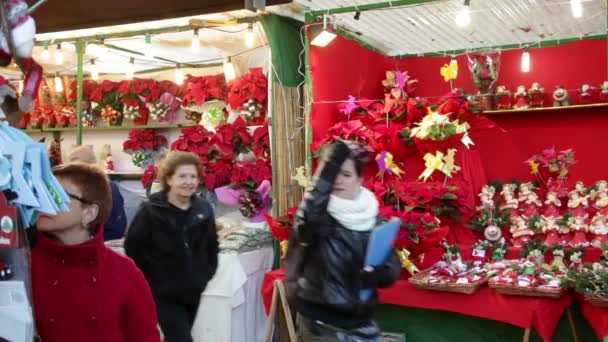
column 84, row 291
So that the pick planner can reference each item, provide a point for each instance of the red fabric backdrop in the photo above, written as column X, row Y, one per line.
column 345, row 68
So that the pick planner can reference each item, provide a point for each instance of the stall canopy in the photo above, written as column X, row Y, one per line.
column 62, row 15
column 414, row 27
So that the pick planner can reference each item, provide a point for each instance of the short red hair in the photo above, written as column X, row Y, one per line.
column 94, row 186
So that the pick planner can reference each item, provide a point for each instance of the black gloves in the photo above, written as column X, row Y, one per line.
column 380, row 276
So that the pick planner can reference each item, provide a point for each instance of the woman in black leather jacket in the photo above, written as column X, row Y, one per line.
column 174, row 242
column 327, row 252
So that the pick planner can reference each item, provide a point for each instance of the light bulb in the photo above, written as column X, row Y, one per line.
column 131, row 69
column 94, row 71
column 179, row 75
column 148, row 47
column 196, row 41
column 249, row 36
column 325, row 37
column 45, row 55
column 525, row 61
column 577, row 8
column 58, row 84
column 463, row 17
column 229, row 72
column 58, row 55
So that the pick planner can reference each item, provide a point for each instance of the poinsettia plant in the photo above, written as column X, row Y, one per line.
column 234, row 138
column 253, row 85
column 143, row 145
column 198, row 90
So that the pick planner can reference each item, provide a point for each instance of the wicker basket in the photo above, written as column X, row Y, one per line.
column 601, row 302
column 420, row 280
column 514, row 290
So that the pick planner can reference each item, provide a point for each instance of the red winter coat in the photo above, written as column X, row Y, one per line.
column 88, row 292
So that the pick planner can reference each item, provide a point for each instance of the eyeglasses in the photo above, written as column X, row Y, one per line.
column 78, row 198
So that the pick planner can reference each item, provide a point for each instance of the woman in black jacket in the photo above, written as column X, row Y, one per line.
column 174, row 242
column 332, row 230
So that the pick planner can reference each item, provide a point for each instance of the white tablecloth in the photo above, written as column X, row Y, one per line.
column 231, row 308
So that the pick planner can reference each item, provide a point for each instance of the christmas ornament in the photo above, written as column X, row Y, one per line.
column 23, row 32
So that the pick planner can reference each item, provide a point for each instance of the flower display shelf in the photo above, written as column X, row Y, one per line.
column 420, row 280
column 544, row 109
column 107, row 128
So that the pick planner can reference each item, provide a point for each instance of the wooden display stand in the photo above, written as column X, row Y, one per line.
column 280, row 326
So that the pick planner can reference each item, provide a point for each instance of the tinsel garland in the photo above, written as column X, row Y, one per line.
column 111, row 115
column 158, row 111
column 131, row 112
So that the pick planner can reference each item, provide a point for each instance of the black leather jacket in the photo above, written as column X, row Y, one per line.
column 328, row 276
column 177, row 259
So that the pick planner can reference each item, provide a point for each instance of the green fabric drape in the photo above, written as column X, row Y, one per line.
column 286, row 46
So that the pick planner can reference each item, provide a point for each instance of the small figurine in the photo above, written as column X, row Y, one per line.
column 488, row 190
column 580, row 232
column 486, row 202
column 601, row 185
column 106, row 157
column 509, row 202
column 552, row 204
column 523, row 196
column 576, row 258
column 564, row 232
column 532, row 204
column 587, row 94
column 561, row 97
column 604, row 92
column 599, row 227
column 537, row 95
column 502, row 98
column 577, row 204
column 521, row 98
column 520, row 231
column 581, row 189
column 551, row 229
column 601, row 203
column 558, row 259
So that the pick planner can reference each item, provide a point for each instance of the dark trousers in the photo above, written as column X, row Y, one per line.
column 176, row 319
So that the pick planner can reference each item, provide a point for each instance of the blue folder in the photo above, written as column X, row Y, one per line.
column 379, row 247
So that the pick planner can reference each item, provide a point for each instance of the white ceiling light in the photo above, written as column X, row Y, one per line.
column 249, row 36
column 179, row 75
column 525, row 60
column 325, row 37
column 577, row 8
column 229, row 72
column 463, row 18
column 196, row 41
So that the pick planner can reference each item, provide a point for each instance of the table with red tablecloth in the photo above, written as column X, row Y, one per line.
column 596, row 316
column 542, row 314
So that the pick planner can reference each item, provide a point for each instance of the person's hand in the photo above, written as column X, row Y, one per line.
column 367, row 278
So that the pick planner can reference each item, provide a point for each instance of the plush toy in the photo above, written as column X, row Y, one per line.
column 580, row 232
column 537, row 95
column 520, row 231
column 551, row 229
column 521, row 98
column 503, row 98
column 599, row 229
column 604, row 92
column 23, row 32
column 561, row 97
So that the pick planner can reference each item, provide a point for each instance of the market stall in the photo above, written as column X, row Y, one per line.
column 135, row 92
column 460, row 120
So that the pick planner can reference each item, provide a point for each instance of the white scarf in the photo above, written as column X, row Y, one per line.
column 358, row 214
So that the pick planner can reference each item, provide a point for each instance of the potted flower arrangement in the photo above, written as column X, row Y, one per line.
column 144, row 145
